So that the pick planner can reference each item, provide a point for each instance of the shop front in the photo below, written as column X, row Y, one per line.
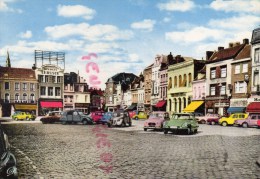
column 161, row 105
column 31, row 108
column 217, row 106
column 237, row 105
column 83, row 107
column 46, row 106
column 195, row 107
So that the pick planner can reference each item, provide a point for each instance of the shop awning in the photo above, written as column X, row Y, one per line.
column 51, row 104
column 132, row 107
column 25, row 107
column 160, row 104
column 193, row 106
column 236, row 109
column 253, row 107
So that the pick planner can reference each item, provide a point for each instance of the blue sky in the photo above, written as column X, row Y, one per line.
column 126, row 35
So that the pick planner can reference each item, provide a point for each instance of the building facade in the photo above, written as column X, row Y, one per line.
column 18, row 91
column 147, row 87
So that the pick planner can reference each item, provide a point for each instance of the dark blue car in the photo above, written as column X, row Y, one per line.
column 106, row 117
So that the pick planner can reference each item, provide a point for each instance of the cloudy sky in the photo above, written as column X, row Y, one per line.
column 126, row 35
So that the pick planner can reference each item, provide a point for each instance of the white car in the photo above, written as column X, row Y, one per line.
column 120, row 118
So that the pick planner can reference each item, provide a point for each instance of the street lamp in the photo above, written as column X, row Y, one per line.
column 246, row 79
column 219, row 85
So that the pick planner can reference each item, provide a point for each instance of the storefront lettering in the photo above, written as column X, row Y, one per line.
column 256, row 99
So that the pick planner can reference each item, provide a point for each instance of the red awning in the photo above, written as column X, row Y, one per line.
column 253, row 107
column 51, row 104
column 160, row 104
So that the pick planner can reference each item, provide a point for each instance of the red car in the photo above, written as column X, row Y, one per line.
column 132, row 113
column 97, row 115
column 258, row 123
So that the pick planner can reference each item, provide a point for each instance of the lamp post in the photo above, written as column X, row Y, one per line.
column 246, row 79
column 219, row 85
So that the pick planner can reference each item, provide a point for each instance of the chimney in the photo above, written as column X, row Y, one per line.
column 178, row 58
column 245, row 41
column 236, row 44
column 230, row 45
column 208, row 55
column 220, row 48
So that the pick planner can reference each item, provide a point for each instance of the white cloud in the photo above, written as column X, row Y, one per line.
column 133, row 57
column 194, row 35
column 26, row 35
column 76, row 11
column 177, row 5
column 146, row 24
column 92, row 33
column 101, row 47
column 250, row 6
column 166, row 19
column 185, row 25
column 5, row 8
column 236, row 23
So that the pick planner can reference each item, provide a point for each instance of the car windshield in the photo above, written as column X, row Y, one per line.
column 80, row 113
column 181, row 116
column 156, row 115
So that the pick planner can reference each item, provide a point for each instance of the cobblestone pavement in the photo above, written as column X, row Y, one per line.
column 70, row 151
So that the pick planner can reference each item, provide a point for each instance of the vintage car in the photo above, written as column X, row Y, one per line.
column 96, row 116
column 181, row 122
column 140, row 115
column 51, row 117
column 73, row 116
column 106, row 117
column 23, row 116
column 120, row 118
column 8, row 162
column 224, row 121
column 258, row 123
column 155, row 120
column 250, row 121
column 132, row 113
column 204, row 119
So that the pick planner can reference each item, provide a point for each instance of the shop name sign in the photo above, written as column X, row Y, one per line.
column 50, row 71
column 221, row 104
column 257, row 99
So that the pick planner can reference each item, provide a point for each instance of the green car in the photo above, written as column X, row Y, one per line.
column 181, row 122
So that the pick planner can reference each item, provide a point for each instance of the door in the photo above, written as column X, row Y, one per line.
column 69, row 116
column 253, row 120
column 76, row 116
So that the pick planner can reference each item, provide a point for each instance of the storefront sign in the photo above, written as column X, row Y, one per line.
column 50, row 71
column 215, row 97
column 221, row 104
column 238, row 102
column 81, row 105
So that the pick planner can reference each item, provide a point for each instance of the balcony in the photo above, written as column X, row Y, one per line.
column 180, row 90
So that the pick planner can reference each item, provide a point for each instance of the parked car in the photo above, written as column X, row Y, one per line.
column 155, row 120
column 96, row 116
column 51, row 117
column 258, row 123
column 23, row 116
column 73, row 116
column 181, row 122
column 106, row 117
column 8, row 162
column 140, row 115
column 120, row 118
column 208, row 118
column 250, row 121
column 224, row 121
column 132, row 113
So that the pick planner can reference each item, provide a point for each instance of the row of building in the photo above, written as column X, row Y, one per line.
column 45, row 87
column 225, row 82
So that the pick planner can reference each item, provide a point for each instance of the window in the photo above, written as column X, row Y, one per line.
column 235, row 116
column 213, row 73
column 41, row 78
column 32, row 86
column 245, row 68
column 58, row 79
column 241, row 116
column 7, row 97
column 46, row 79
column 24, row 97
column 175, row 81
column 54, row 79
column 43, row 90
column 223, row 71
column 66, row 87
column 16, row 97
column 257, row 55
column 50, row 91
column 212, row 90
column 256, row 78
column 86, row 98
column 7, row 87
column 57, row 91
column 237, row 69
column 24, row 86
column 240, row 87
column 17, row 86
column 32, row 98
column 223, row 90
column 180, row 81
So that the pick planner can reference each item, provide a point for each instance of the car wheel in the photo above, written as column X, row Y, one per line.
column 245, row 125
column 224, row 123
column 145, row 129
column 203, row 122
column 213, row 123
column 165, row 131
column 108, row 124
column 64, row 122
column 130, row 124
column 85, row 122
column 136, row 118
column 195, row 131
column 16, row 119
column 27, row 119
column 123, row 124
